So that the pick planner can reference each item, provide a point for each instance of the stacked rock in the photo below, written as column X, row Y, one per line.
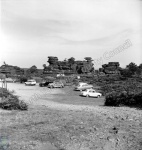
column 52, row 60
column 111, row 68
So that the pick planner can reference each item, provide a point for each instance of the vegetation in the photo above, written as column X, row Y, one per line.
column 123, row 89
column 131, row 70
column 127, row 92
column 10, row 101
column 120, row 89
column 23, row 79
column 124, row 98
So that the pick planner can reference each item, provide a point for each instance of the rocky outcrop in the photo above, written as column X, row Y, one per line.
column 111, row 68
column 69, row 66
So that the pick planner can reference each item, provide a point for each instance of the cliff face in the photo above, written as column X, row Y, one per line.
column 69, row 66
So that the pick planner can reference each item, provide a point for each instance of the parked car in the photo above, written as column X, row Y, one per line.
column 10, row 80
column 83, row 86
column 56, row 84
column 30, row 82
column 45, row 83
column 91, row 93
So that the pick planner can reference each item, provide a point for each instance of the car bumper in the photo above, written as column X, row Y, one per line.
column 82, row 94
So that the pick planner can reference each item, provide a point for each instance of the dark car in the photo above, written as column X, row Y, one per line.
column 45, row 83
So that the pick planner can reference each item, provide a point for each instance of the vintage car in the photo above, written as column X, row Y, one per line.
column 56, row 84
column 30, row 82
column 83, row 86
column 91, row 93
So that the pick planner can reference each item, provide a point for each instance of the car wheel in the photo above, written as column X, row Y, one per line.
column 87, row 95
column 98, row 96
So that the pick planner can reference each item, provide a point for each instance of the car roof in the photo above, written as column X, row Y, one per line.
column 31, row 80
column 82, row 83
column 91, row 89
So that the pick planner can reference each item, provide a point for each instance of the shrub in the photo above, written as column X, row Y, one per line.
column 123, row 98
column 5, row 93
column 127, row 92
column 10, row 101
column 130, row 85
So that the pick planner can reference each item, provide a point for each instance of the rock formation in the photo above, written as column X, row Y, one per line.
column 111, row 68
column 69, row 66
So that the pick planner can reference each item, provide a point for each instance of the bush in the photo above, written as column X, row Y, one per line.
column 5, row 93
column 123, row 98
column 130, row 85
column 10, row 101
column 127, row 92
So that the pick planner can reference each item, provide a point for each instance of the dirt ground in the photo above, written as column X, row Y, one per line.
column 59, row 119
column 35, row 95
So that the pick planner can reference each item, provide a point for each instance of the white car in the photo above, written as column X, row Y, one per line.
column 83, row 86
column 56, row 84
column 91, row 93
column 30, row 82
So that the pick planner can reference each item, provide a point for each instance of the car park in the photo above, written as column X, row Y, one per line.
column 30, row 82
column 56, row 84
column 83, row 86
column 91, row 93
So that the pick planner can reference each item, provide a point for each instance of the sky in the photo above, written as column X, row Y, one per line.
column 32, row 30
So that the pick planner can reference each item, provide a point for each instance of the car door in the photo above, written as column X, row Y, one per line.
column 93, row 93
column 55, row 84
column 81, row 87
column 90, row 93
column 59, row 84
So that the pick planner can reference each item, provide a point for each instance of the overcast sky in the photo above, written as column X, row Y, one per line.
column 32, row 30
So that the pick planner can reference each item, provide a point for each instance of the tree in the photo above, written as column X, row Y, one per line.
column 126, row 73
column 23, row 79
column 132, row 67
column 71, row 60
column 138, row 71
column 140, row 66
column 44, row 66
column 33, row 69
